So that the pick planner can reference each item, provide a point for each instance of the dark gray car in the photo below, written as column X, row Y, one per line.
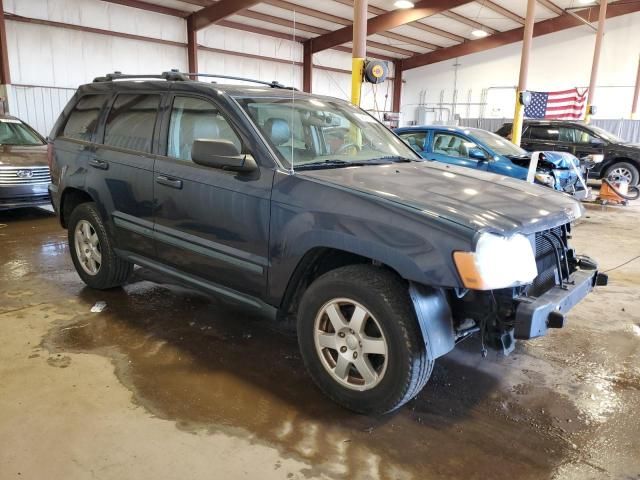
column 24, row 171
column 310, row 210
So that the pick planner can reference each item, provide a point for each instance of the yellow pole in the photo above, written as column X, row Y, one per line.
column 518, row 115
column 357, row 71
column 602, row 16
column 359, row 48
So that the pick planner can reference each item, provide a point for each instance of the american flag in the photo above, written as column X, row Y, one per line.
column 565, row 104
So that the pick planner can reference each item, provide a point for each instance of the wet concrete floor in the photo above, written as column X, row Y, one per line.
column 168, row 383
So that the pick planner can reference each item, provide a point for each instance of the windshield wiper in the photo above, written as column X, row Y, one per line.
column 326, row 164
column 397, row 159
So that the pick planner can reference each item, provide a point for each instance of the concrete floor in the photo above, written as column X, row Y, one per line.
column 166, row 383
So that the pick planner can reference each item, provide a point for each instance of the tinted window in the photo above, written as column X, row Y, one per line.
column 416, row 140
column 194, row 118
column 452, row 145
column 83, row 120
column 540, row 132
column 131, row 121
column 14, row 132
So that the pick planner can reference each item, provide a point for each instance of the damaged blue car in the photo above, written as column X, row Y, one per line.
column 483, row 150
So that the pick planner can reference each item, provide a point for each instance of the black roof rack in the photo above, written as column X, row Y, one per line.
column 171, row 75
column 175, row 75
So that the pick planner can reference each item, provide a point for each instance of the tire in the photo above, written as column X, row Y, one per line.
column 111, row 270
column 404, row 368
column 631, row 170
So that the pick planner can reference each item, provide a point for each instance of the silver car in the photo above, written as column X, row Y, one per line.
column 24, row 170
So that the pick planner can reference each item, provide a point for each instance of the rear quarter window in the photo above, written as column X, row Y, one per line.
column 83, row 119
column 131, row 122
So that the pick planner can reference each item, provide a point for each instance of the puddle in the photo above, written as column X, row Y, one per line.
column 211, row 367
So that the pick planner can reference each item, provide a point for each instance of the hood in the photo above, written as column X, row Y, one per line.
column 475, row 199
column 23, row 156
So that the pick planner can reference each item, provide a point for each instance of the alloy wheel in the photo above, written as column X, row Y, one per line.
column 350, row 344
column 87, row 245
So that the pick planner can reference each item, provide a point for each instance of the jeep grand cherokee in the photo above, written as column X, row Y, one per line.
column 308, row 208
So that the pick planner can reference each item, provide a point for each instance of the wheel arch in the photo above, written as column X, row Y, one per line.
column 315, row 262
column 71, row 197
column 633, row 161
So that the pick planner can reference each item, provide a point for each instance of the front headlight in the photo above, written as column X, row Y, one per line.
column 545, row 179
column 498, row 262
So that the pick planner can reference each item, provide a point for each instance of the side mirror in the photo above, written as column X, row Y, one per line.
column 597, row 141
column 477, row 154
column 221, row 154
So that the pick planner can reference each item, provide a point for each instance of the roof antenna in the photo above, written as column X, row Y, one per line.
column 293, row 95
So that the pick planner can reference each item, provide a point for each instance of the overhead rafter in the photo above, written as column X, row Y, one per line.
column 386, row 21
column 467, row 21
column 502, row 11
column 549, row 5
column 417, row 24
column 219, row 11
column 310, row 12
column 151, row 7
column 544, row 27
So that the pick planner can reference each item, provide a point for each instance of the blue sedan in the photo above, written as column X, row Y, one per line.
column 483, row 150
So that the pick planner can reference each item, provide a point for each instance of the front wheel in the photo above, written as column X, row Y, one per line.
column 360, row 340
column 92, row 251
column 625, row 171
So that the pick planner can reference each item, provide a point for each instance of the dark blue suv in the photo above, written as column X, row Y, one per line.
column 483, row 150
column 310, row 210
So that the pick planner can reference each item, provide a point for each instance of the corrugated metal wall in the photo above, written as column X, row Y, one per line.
column 38, row 106
column 54, row 60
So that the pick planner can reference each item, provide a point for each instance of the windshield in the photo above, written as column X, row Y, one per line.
column 498, row 144
column 607, row 135
column 309, row 132
column 14, row 132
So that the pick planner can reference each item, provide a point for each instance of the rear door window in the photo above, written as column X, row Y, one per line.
column 83, row 120
column 131, row 122
column 544, row 132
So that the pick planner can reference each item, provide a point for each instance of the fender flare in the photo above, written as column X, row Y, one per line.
column 434, row 319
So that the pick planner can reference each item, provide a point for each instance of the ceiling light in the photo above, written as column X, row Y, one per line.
column 403, row 4
column 479, row 33
column 585, row 2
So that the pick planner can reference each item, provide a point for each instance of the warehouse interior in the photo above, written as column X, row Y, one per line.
column 156, row 378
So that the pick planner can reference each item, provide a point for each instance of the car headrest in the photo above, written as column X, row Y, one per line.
column 278, row 130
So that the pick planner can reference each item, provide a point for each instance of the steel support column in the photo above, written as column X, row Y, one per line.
column 5, row 74
column 307, row 67
column 359, row 48
column 516, row 132
column 636, row 94
column 602, row 17
column 192, row 45
column 397, row 85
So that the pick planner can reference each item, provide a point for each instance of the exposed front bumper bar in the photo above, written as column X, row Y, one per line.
column 534, row 315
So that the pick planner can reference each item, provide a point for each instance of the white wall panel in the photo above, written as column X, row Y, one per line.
column 104, row 15
column 558, row 61
column 50, row 56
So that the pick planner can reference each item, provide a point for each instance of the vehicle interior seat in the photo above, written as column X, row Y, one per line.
column 280, row 134
column 440, row 145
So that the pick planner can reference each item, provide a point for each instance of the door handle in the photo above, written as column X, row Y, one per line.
column 101, row 164
column 169, row 182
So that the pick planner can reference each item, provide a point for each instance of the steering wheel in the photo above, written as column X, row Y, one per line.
column 343, row 148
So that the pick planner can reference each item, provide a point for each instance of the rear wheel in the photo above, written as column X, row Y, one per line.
column 360, row 340
column 92, row 252
column 623, row 170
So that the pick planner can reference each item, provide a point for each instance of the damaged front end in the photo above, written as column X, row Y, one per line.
column 504, row 315
column 561, row 171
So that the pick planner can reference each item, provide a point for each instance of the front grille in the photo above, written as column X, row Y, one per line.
column 24, row 175
column 550, row 246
